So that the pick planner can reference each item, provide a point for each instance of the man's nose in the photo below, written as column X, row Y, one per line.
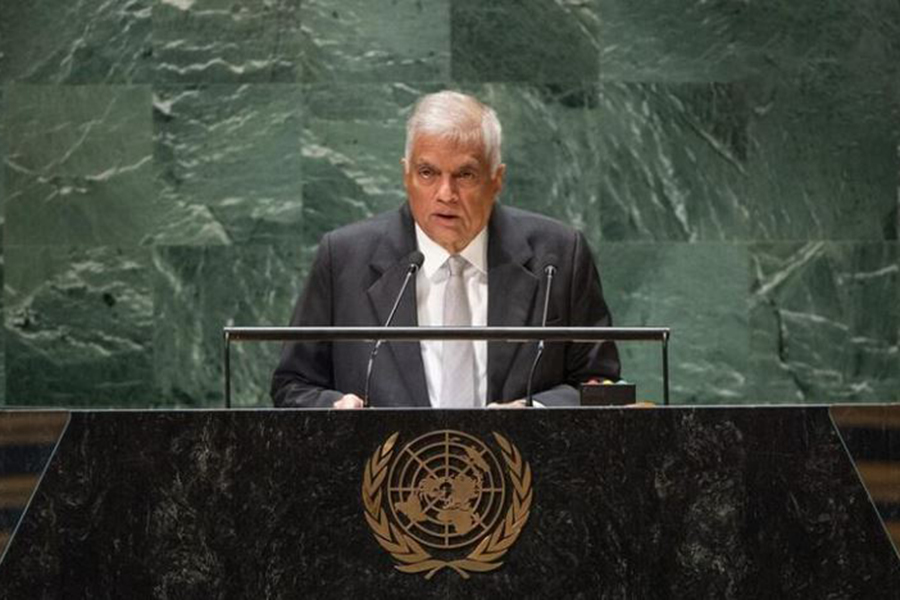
column 447, row 191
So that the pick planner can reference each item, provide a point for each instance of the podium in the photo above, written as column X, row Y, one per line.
column 583, row 502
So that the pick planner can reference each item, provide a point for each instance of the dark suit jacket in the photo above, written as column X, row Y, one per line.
column 359, row 270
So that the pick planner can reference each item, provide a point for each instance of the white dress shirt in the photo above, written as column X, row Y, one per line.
column 431, row 281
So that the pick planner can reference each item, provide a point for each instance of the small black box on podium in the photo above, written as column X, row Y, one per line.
column 607, row 394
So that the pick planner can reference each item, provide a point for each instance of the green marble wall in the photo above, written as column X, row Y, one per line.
column 169, row 166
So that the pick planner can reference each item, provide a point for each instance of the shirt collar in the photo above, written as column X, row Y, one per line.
column 436, row 255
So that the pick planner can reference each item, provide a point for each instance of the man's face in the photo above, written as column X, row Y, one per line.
column 451, row 190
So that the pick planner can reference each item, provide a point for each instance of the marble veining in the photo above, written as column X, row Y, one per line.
column 747, row 161
column 732, row 40
column 815, row 332
column 210, row 41
column 79, row 42
column 547, row 42
column 194, row 294
column 227, row 162
column 357, row 40
column 648, row 284
column 77, row 165
column 101, row 353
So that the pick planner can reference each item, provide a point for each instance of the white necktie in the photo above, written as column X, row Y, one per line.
column 458, row 373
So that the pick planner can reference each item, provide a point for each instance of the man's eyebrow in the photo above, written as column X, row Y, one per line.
column 471, row 164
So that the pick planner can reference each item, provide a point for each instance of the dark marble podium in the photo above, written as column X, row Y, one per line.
column 664, row 503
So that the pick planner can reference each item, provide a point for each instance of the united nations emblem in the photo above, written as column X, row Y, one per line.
column 442, row 501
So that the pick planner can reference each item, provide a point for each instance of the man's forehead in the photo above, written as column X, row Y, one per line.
column 433, row 150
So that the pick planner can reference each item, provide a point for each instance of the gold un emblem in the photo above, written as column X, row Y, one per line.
column 442, row 501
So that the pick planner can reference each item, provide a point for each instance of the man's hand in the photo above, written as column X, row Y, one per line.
column 513, row 404
column 349, row 401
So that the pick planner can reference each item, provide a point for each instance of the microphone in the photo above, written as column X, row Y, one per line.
column 549, row 272
column 415, row 260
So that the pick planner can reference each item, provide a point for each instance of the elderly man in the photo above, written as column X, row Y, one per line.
column 483, row 265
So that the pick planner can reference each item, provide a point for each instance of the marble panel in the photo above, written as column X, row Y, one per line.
column 700, row 291
column 673, row 160
column 660, row 41
column 227, row 160
column 727, row 40
column 83, row 41
column 824, row 320
column 226, row 41
column 198, row 291
column 533, row 41
column 857, row 37
column 78, row 165
column 3, row 138
column 359, row 40
column 2, row 329
column 2, row 228
column 2, row 334
column 812, row 158
column 352, row 145
column 824, row 162
column 79, row 327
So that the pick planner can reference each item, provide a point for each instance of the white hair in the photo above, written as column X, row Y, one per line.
column 458, row 118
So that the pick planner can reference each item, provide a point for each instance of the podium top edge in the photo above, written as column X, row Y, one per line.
column 271, row 409
column 509, row 334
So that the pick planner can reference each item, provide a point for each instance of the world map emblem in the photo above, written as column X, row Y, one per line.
column 445, row 500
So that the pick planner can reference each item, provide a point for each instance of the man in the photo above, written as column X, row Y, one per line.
column 484, row 265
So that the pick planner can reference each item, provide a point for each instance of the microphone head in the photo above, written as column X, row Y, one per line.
column 415, row 260
column 550, row 264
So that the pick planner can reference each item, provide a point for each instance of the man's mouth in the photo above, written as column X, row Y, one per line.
column 446, row 217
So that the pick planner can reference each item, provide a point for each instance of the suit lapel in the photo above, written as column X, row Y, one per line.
column 390, row 268
column 511, row 293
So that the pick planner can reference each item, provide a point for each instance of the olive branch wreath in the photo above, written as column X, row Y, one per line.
column 406, row 550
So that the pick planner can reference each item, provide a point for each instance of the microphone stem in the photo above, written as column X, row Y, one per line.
column 529, row 402
column 550, row 273
column 529, row 399
column 413, row 268
column 369, row 371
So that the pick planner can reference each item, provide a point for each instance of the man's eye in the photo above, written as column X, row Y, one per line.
column 467, row 175
column 426, row 173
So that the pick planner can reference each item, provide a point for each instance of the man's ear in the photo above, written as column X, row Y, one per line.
column 405, row 173
column 498, row 178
